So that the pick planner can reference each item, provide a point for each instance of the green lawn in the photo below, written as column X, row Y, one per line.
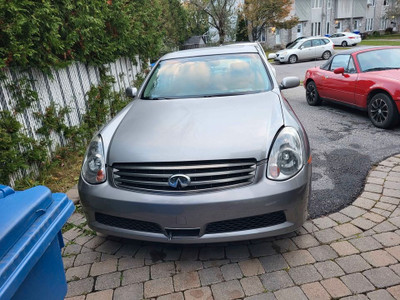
column 379, row 43
column 384, row 37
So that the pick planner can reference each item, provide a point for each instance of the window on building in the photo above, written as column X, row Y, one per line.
column 328, row 27
column 316, row 28
column 316, row 3
column 328, row 4
column 356, row 24
column 386, row 2
column 384, row 23
column 369, row 24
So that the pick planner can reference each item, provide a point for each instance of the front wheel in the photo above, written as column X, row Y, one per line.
column 382, row 111
column 292, row 59
column 312, row 95
column 344, row 44
column 326, row 55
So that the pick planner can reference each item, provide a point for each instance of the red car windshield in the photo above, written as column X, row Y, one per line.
column 378, row 60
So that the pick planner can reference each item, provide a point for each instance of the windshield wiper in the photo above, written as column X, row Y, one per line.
column 381, row 69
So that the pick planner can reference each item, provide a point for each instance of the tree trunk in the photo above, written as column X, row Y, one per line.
column 221, row 36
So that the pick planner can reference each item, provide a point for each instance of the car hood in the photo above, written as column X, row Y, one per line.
column 197, row 129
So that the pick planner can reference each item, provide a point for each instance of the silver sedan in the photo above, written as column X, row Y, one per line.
column 208, row 151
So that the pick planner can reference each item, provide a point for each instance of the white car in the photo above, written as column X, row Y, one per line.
column 305, row 49
column 345, row 39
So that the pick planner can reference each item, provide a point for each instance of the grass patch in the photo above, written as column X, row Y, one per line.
column 379, row 43
column 383, row 37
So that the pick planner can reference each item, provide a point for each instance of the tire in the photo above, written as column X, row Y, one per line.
column 312, row 95
column 344, row 44
column 326, row 55
column 292, row 59
column 382, row 111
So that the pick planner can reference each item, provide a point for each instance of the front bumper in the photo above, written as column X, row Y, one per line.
column 184, row 218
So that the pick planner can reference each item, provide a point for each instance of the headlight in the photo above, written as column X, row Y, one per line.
column 94, row 166
column 286, row 157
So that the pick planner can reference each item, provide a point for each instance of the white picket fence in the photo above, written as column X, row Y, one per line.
column 66, row 88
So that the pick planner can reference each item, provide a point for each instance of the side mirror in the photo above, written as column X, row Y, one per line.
column 289, row 82
column 338, row 70
column 271, row 56
column 131, row 92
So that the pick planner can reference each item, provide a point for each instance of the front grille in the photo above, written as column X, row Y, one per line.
column 204, row 175
column 127, row 223
column 247, row 223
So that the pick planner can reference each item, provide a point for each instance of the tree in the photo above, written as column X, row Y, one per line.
column 196, row 20
column 241, row 31
column 261, row 14
column 221, row 15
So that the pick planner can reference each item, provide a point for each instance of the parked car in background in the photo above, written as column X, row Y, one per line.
column 367, row 78
column 292, row 42
column 345, row 39
column 305, row 49
column 208, row 151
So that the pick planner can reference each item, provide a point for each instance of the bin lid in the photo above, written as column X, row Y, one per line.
column 18, row 211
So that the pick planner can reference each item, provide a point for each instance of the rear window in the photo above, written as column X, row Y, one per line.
column 208, row 76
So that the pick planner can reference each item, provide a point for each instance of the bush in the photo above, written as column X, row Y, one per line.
column 389, row 30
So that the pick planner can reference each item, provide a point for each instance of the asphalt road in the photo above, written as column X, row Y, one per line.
column 345, row 145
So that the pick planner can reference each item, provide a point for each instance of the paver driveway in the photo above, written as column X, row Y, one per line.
column 354, row 252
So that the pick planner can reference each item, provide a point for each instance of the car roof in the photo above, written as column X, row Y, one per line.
column 365, row 48
column 231, row 49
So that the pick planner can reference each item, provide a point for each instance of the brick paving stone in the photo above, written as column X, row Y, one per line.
column 315, row 291
column 158, row 287
column 108, row 281
column 395, row 221
column 381, row 212
column 364, row 203
column 199, row 293
column 310, row 227
column 231, row 271
column 378, row 174
column 395, row 268
column 210, row 276
column 239, row 251
column 77, row 273
column 213, row 252
column 129, row 292
column 252, row 286
column 161, row 270
column 385, row 226
column 391, row 193
column 125, row 263
column 388, row 239
column 329, row 269
column 363, row 223
column 357, row 283
column 298, row 258
column 227, row 290
column 103, row 267
column 80, row 287
column 262, row 249
column 251, row 267
column 263, row 296
column 128, row 250
column 72, row 249
column 373, row 217
column 394, row 251
column 102, row 295
column 347, row 229
column 369, row 195
column 375, row 180
column 304, row 274
column 135, row 275
column 172, row 252
column 390, row 200
column 356, row 297
column 324, row 222
column 273, row 263
column 380, row 295
column 76, row 298
column 305, row 241
column 276, row 280
column 144, row 253
column 188, row 266
column 352, row 211
column 83, row 239
column 284, row 245
column 105, row 257
column 95, row 242
column 393, row 178
column 335, row 287
column 185, row 281
column 385, row 206
column 85, row 250
column 382, row 277
column 344, row 248
column 86, row 258
column 352, row 264
column 394, row 291
column 215, row 263
column 290, row 293
column 327, row 235
column 395, row 213
column 339, row 218
column 379, row 258
column 391, row 185
column 366, row 244
column 72, row 233
column 109, row 247
column 322, row 253
column 374, row 188
column 174, row 296
column 68, row 261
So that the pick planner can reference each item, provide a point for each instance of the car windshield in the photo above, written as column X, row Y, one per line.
column 378, row 60
column 294, row 44
column 208, row 76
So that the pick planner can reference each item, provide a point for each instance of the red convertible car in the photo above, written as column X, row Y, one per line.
column 366, row 78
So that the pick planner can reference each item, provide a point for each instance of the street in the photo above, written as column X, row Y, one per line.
column 344, row 145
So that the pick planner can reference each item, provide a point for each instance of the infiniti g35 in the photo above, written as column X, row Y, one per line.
column 208, row 151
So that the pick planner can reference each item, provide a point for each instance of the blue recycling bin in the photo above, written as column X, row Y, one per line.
column 31, row 265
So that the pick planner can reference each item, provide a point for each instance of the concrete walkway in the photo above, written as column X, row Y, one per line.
column 351, row 254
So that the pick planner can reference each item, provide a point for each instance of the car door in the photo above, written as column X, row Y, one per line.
column 306, row 50
column 318, row 46
column 341, row 87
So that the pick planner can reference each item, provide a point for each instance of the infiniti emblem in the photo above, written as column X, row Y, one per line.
column 178, row 181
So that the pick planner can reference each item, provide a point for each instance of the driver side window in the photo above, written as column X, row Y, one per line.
column 340, row 61
column 306, row 44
